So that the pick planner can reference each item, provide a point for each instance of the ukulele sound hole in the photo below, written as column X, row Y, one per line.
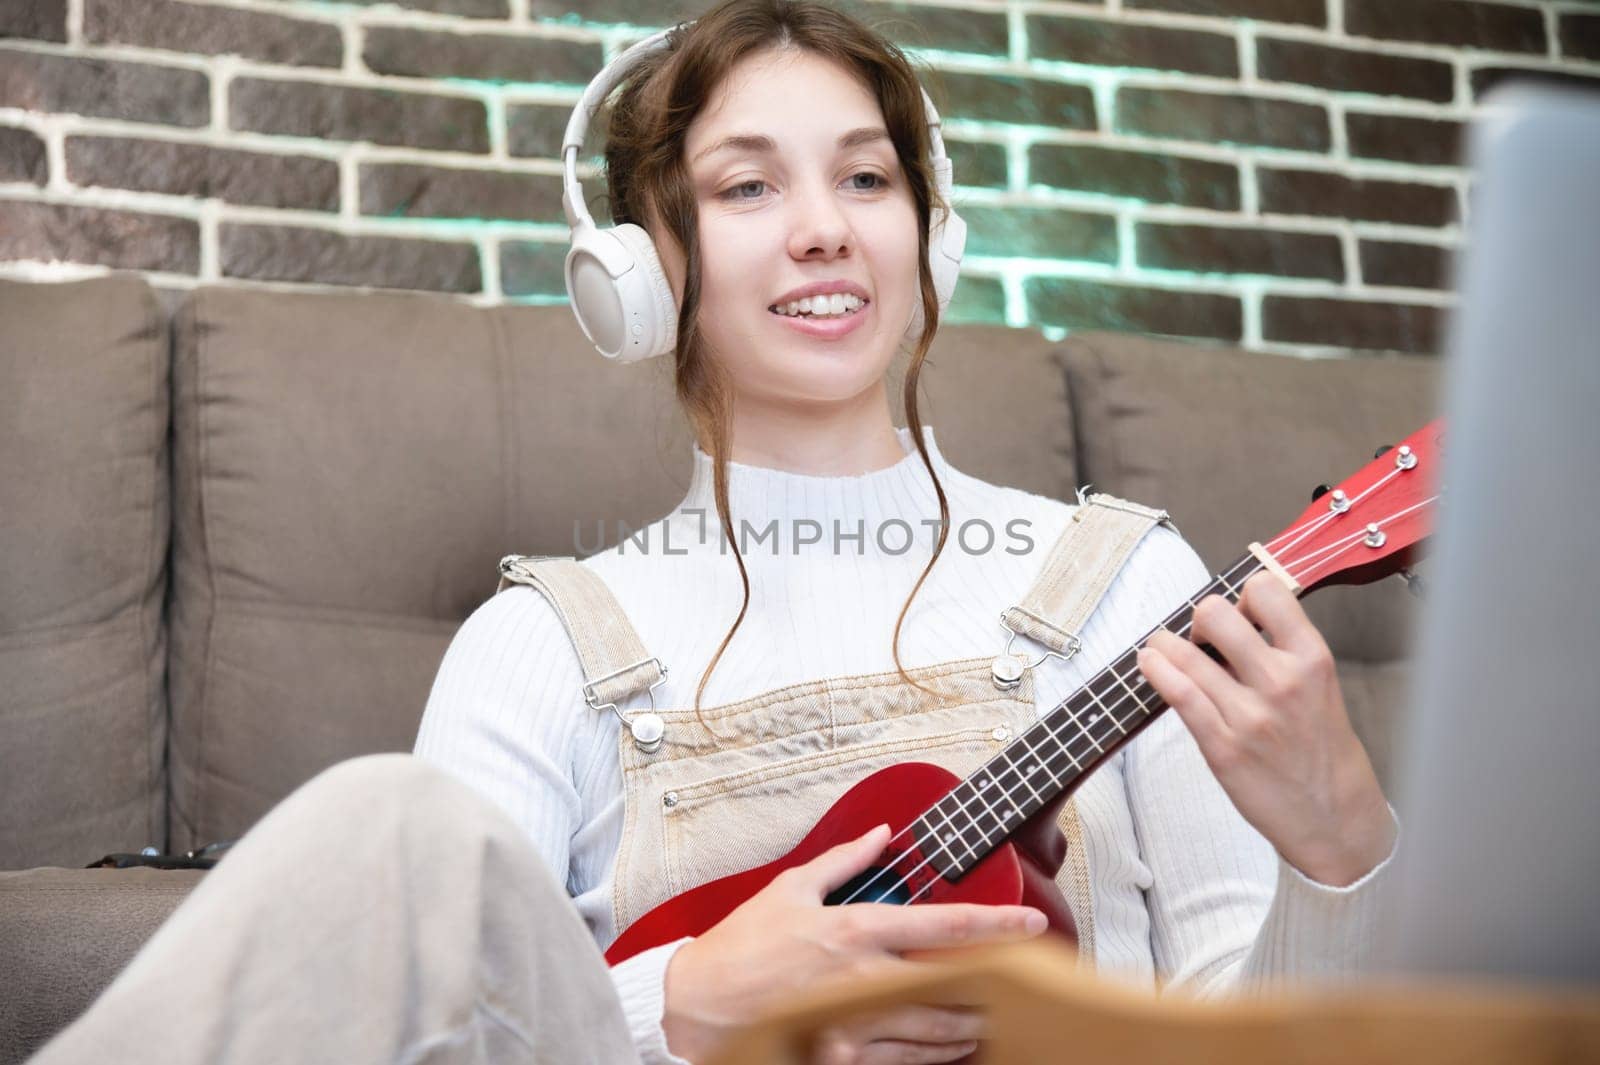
column 872, row 885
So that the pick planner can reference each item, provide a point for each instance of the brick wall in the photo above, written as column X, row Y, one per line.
column 1278, row 173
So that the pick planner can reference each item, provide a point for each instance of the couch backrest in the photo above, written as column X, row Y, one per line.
column 350, row 467
column 83, row 569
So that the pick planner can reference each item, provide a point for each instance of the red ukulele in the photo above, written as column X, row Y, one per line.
column 992, row 837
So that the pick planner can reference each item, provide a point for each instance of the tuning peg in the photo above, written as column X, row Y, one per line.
column 1319, row 491
column 1382, row 451
column 1414, row 583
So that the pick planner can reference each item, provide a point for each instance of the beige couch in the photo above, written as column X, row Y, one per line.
column 235, row 541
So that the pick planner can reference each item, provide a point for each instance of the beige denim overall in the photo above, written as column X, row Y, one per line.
column 742, row 783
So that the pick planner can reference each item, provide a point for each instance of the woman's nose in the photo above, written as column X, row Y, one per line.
column 818, row 228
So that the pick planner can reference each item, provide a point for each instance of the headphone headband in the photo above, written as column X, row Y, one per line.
column 594, row 96
column 615, row 283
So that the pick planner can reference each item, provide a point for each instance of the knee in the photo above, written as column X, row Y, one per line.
column 397, row 793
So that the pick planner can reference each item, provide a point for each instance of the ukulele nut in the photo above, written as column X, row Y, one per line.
column 1406, row 458
column 1338, row 502
column 1375, row 536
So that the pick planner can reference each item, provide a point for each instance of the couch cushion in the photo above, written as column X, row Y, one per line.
column 350, row 467
column 1231, row 443
column 64, row 936
column 83, row 563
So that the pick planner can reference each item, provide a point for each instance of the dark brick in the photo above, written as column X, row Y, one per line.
column 1147, row 176
column 659, row 13
column 1004, row 98
column 104, row 88
column 338, row 112
column 39, row 20
column 977, row 299
column 944, row 28
column 465, row 8
column 1236, row 250
column 1580, row 36
column 404, row 190
column 1079, row 304
column 1486, row 78
column 22, row 156
column 1463, row 23
column 1123, row 44
column 1353, row 323
column 1368, row 199
column 1304, row 12
column 122, row 240
column 977, row 163
column 490, row 57
column 1045, row 232
column 1351, row 70
column 1393, row 262
column 536, row 129
column 206, row 30
column 1404, row 139
column 532, row 268
column 1223, row 117
column 259, row 179
column 289, row 253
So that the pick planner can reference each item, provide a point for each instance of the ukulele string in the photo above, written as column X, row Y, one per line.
column 1339, row 547
column 1110, row 711
column 1317, row 523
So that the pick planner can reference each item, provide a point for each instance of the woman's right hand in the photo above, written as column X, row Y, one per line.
column 783, row 940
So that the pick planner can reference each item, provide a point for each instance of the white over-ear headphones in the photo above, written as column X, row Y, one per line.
column 614, row 277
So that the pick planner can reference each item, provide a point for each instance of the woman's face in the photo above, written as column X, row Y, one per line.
column 797, row 184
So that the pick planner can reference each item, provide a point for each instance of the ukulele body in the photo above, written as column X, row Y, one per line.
column 1021, row 870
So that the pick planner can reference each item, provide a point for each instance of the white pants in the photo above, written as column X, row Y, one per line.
column 384, row 912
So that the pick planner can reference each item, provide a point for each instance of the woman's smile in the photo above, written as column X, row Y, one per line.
column 830, row 324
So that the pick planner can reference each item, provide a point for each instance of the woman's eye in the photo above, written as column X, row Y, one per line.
column 738, row 191
column 877, row 181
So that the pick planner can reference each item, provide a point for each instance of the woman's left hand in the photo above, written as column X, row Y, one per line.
column 1273, row 727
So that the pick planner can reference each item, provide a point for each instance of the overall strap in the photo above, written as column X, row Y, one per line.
column 1086, row 558
column 614, row 661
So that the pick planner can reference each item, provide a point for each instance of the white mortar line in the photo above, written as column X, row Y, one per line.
column 1336, row 18
column 355, row 44
column 1250, row 323
column 350, row 184
column 75, row 23
column 55, row 155
column 1249, row 188
column 210, row 242
column 489, row 267
column 1247, row 54
column 1352, row 256
column 1552, row 34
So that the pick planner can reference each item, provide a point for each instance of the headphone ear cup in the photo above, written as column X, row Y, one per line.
column 947, row 240
column 651, row 310
column 620, row 294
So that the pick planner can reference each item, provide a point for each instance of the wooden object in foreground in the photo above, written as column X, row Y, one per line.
column 1043, row 1009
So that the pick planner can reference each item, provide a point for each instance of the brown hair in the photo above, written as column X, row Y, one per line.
column 647, row 178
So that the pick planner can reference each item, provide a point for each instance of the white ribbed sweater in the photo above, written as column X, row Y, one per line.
column 1185, row 892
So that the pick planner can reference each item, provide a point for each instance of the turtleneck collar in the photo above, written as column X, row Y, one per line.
column 761, row 495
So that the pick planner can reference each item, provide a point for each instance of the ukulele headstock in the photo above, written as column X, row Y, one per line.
column 1370, row 525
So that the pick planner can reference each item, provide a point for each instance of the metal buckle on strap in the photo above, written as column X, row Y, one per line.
column 592, row 697
column 1007, row 668
column 647, row 729
column 519, row 568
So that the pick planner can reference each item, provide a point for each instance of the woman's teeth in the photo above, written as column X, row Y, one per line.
column 836, row 305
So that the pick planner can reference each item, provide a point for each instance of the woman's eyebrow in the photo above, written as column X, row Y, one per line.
column 756, row 142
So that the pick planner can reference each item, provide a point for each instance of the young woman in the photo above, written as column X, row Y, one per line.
column 449, row 906
column 772, row 151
